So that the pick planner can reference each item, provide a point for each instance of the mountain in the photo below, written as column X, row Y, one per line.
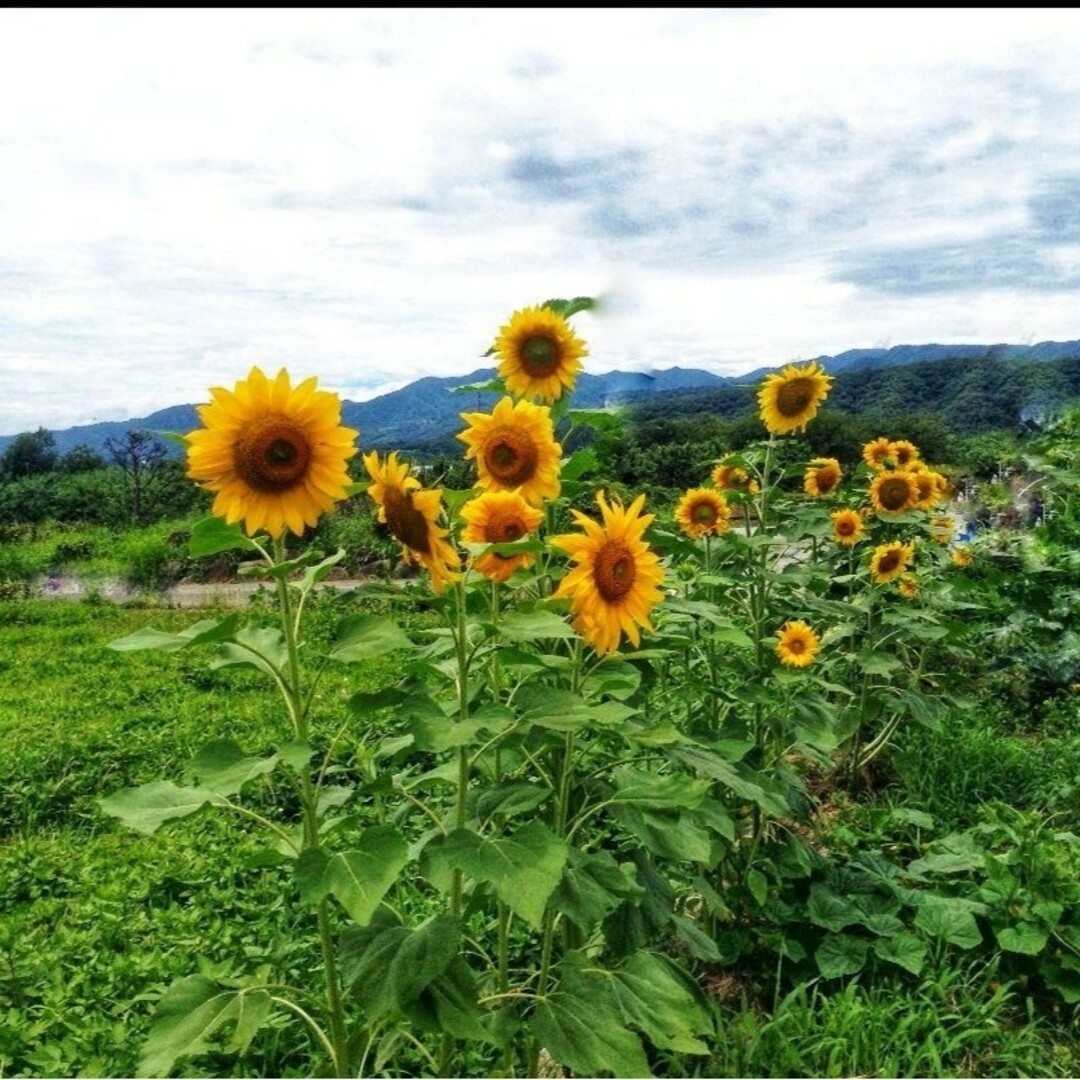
column 419, row 413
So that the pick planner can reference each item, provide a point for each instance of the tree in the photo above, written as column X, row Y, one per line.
column 80, row 459
column 31, row 453
column 141, row 458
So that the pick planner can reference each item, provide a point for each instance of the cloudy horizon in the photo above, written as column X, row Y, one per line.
column 366, row 195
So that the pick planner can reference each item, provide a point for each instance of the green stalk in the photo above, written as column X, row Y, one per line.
column 460, row 810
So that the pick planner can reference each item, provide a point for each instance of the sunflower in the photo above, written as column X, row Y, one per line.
column 847, row 527
column 962, row 556
column 822, row 476
column 616, row 581
column 908, row 584
column 733, row 478
column 928, row 483
column 499, row 517
column 894, row 492
column 876, row 454
column 539, row 354
column 273, row 454
column 942, row 530
column 890, row 560
column 411, row 514
column 790, row 399
column 798, row 644
column 903, row 453
column 702, row 512
column 514, row 447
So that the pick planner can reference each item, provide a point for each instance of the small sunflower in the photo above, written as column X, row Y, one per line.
column 499, row 517
column 733, row 478
column 908, row 584
column 273, row 454
column 798, row 644
column 903, row 453
column 847, row 527
column 893, row 492
column 928, row 483
column 789, row 400
column 942, row 530
column 822, row 476
column 702, row 512
column 514, row 447
column 411, row 514
column 617, row 578
column 877, row 454
column 890, row 560
column 961, row 556
column 539, row 354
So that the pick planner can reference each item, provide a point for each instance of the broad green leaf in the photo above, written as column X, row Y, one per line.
column 670, row 834
column 943, row 917
column 882, row 924
column 204, row 632
column 947, row 862
column 314, row 574
column 536, row 625
column 191, row 1010
column 567, row 308
column 827, row 909
column 224, row 768
column 758, row 885
column 1024, row 937
column 212, row 536
column 309, row 871
column 252, row 1011
column 840, row 954
column 655, row 997
column 511, row 797
column 657, row 791
column 453, row 1001
column 592, row 886
column 695, row 941
column 580, row 462
column 906, row 950
column 261, row 647
column 525, row 868
column 581, row 1025
column 147, row 807
column 879, row 663
column 295, row 754
column 710, row 764
column 365, row 637
column 360, row 879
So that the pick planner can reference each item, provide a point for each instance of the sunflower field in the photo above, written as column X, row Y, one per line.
column 746, row 783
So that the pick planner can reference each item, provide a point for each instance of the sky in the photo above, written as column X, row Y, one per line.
column 366, row 196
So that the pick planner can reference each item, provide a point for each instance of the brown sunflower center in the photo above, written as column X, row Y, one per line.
column 272, row 454
column 888, row 562
column 510, row 456
column 903, row 455
column 827, row 478
column 539, row 355
column 614, row 571
column 704, row 513
column 794, row 397
column 796, row 645
column 845, row 527
column 407, row 524
column 895, row 493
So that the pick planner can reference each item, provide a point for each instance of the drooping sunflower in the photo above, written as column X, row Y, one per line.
column 877, row 454
column 411, row 513
column 890, row 561
column 539, row 354
column 273, row 454
column 798, row 644
column 961, row 556
column 514, row 447
column 847, row 527
column 734, row 478
column 903, row 453
column 894, row 491
column 702, row 512
column 789, row 400
column 499, row 517
column 942, row 530
column 908, row 584
column 616, row 581
column 822, row 476
column 928, row 484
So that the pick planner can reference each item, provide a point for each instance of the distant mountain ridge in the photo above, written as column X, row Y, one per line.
column 424, row 411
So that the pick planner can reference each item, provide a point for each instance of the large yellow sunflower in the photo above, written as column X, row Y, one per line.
column 702, row 512
column 273, row 454
column 903, row 453
column 732, row 478
column 847, row 527
column 890, row 560
column 894, row 491
column 616, row 581
column 822, row 476
column 798, row 644
column 412, row 515
column 539, row 354
column 514, row 447
column 789, row 400
column 499, row 517
column 877, row 454
column 928, row 483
